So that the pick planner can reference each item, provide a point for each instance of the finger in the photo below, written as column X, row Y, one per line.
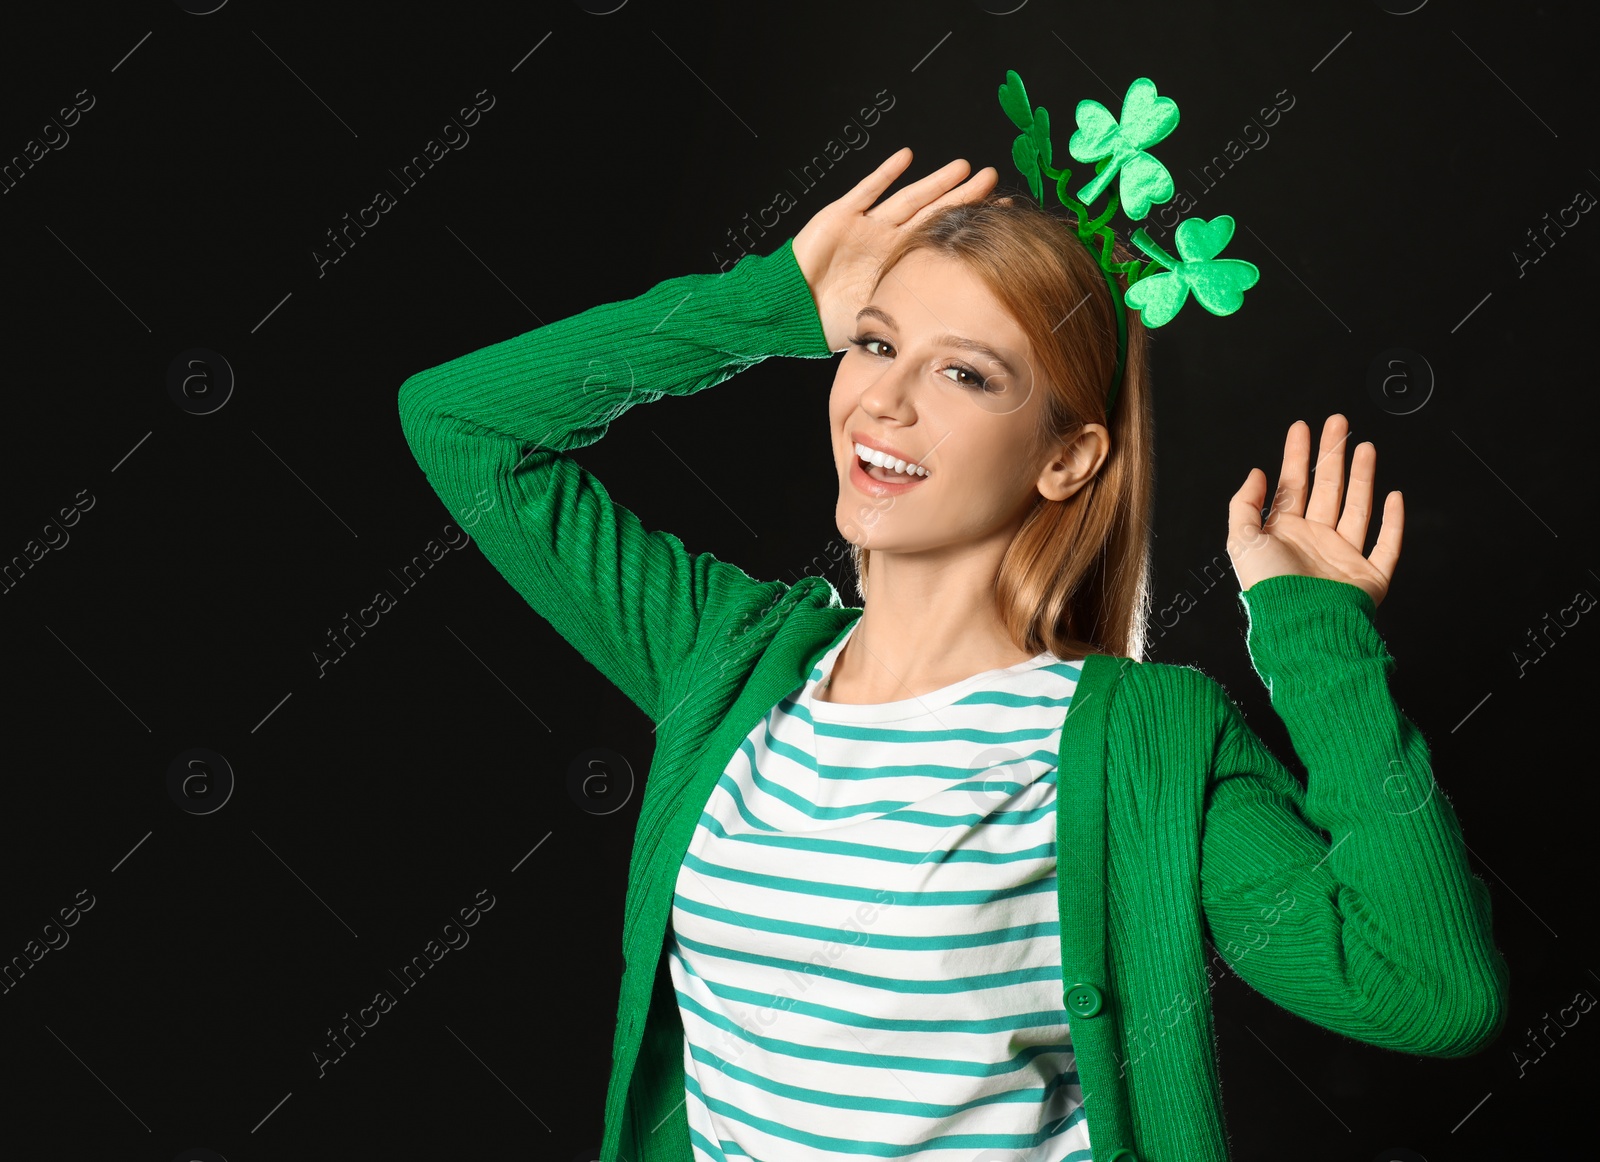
column 1290, row 496
column 870, row 188
column 1358, row 501
column 973, row 189
column 1244, row 513
column 1385, row 556
column 904, row 203
column 1323, row 506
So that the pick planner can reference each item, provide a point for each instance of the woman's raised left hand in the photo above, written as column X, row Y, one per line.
column 1303, row 538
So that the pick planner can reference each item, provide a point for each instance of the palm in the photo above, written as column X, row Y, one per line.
column 840, row 248
column 1311, row 537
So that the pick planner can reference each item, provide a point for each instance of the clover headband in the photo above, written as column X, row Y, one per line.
column 1120, row 148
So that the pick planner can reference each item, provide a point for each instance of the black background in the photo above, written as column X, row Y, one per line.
column 1390, row 208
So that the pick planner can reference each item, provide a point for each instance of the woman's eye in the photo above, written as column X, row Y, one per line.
column 866, row 344
column 972, row 380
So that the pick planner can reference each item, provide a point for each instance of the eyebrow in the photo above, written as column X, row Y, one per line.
column 964, row 344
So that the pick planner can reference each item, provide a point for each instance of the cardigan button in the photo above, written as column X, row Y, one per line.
column 1084, row 1000
column 1123, row 1155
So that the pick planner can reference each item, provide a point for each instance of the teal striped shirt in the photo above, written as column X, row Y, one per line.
column 865, row 939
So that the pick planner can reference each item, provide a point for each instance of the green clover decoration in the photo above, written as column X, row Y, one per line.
column 1218, row 283
column 1119, row 147
column 1146, row 119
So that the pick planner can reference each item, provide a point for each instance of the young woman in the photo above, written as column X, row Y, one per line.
column 934, row 878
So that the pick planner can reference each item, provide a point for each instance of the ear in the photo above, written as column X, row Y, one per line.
column 1075, row 463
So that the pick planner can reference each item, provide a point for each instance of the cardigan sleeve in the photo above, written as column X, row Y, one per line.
column 1347, row 901
column 493, row 429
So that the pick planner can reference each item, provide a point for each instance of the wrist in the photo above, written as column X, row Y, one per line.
column 813, row 268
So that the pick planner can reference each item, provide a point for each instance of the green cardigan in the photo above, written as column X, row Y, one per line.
column 1348, row 901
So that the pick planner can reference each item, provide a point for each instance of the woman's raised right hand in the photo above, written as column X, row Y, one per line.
column 840, row 248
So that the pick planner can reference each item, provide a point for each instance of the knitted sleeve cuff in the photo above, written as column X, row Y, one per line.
column 1297, row 621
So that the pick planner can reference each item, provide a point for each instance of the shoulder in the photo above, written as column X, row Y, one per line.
column 1166, row 696
column 1165, row 725
column 1169, row 677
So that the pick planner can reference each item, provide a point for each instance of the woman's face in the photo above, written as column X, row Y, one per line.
column 916, row 384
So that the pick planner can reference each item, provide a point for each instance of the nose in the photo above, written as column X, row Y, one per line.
column 889, row 394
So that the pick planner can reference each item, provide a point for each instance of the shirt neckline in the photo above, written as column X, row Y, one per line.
column 914, row 707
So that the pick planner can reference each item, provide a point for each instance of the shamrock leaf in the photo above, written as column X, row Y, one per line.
column 1218, row 283
column 1014, row 100
column 1031, row 149
column 1146, row 119
column 1040, row 135
column 1026, row 154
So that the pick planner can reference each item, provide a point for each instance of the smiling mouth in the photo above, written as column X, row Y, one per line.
column 880, row 467
column 887, row 475
column 874, row 480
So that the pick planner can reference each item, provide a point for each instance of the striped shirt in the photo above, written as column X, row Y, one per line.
column 865, row 942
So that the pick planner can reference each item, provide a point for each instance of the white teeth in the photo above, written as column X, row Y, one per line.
column 883, row 460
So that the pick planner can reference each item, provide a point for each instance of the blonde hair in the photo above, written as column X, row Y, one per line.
column 1076, row 577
